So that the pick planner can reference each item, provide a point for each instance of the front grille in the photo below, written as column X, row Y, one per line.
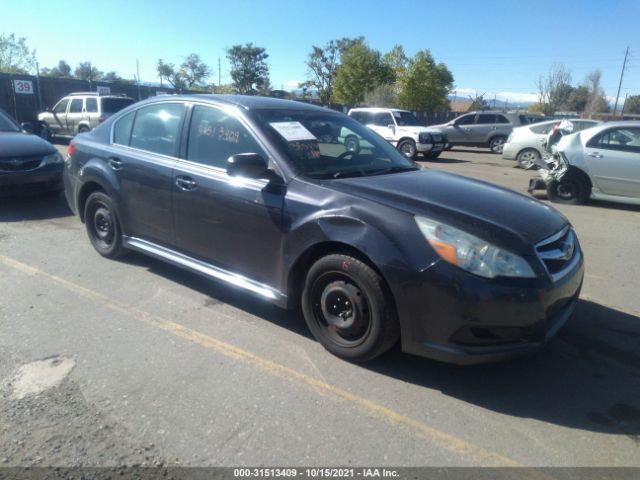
column 436, row 138
column 19, row 164
column 559, row 252
column 424, row 137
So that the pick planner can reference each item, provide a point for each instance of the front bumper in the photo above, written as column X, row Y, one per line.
column 44, row 179
column 429, row 147
column 449, row 315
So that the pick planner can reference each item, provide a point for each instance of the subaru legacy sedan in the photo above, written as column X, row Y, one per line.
column 252, row 192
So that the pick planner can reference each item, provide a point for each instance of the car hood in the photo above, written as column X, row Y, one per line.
column 496, row 214
column 18, row 144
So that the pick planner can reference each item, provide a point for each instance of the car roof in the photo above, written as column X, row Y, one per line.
column 246, row 102
column 378, row 109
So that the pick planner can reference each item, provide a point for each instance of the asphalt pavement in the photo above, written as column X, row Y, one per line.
column 134, row 361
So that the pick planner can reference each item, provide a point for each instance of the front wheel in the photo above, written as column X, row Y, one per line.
column 408, row 148
column 83, row 129
column 348, row 309
column 103, row 226
column 572, row 189
column 497, row 144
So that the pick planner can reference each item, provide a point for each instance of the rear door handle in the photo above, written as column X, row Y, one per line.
column 595, row 155
column 186, row 183
column 115, row 163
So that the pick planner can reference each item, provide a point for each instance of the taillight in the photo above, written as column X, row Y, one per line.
column 71, row 148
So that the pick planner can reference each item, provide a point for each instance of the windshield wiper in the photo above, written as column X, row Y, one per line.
column 386, row 170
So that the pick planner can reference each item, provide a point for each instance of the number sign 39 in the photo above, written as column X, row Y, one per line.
column 23, row 86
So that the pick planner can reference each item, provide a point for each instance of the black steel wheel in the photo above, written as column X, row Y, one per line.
column 572, row 189
column 102, row 225
column 408, row 148
column 347, row 308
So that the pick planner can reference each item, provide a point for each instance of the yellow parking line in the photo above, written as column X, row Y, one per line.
column 475, row 454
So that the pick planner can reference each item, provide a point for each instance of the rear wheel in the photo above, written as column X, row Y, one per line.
column 103, row 226
column 527, row 158
column 408, row 148
column 572, row 189
column 347, row 308
column 496, row 144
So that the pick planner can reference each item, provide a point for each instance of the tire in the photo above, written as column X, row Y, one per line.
column 572, row 189
column 352, row 144
column 83, row 129
column 362, row 328
column 432, row 155
column 408, row 148
column 527, row 157
column 45, row 132
column 496, row 144
column 103, row 226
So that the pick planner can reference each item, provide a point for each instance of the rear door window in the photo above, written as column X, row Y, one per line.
column 76, row 106
column 623, row 139
column 157, row 127
column 91, row 105
column 486, row 118
column 122, row 129
column 502, row 119
column 113, row 105
column 383, row 119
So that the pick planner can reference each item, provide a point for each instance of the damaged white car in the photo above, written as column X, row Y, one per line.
column 602, row 163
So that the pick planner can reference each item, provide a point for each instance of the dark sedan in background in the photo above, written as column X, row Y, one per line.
column 28, row 164
column 248, row 191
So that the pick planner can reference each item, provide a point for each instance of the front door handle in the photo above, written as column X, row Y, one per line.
column 595, row 155
column 115, row 163
column 186, row 183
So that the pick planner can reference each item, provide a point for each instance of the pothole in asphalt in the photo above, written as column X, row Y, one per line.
column 36, row 377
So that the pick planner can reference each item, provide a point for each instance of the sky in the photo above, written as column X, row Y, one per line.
column 495, row 47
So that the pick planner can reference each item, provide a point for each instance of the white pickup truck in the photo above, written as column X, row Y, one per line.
column 400, row 128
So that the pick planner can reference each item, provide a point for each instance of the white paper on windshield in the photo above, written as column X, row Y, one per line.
column 292, row 131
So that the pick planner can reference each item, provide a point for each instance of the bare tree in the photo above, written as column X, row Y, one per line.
column 597, row 101
column 554, row 89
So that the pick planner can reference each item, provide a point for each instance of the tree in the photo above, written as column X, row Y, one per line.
column 361, row 69
column 227, row 89
column 632, row 105
column 384, row 95
column 397, row 61
column 249, row 69
column 111, row 77
column 322, row 63
column 597, row 101
column 194, row 71
column 85, row 71
column 578, row 99
column 63, row 70
column 555, row 89
column 425, row 85
column 15, row 56
column 168, row 72
column 478, row 102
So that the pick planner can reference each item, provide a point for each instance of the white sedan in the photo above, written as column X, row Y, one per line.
column 602, row 162
column 526, row 144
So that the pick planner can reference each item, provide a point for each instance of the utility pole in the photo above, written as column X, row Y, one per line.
column 624, row 65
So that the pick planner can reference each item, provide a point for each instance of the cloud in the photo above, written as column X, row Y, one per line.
column 511, row 97
column 292, row 83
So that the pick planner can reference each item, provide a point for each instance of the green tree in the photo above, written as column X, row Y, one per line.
column 249, row 69
column 85, row 71
column 632, row 105
column 168, row 72
column 361, row 69
column 397, row 61
column 577, row 101
column 194, row 71
column 425, row 85
column 15, row 56
column 62, row 70
column 322, row 63
column 384, row 95
column 227, row 89
column 111, row 77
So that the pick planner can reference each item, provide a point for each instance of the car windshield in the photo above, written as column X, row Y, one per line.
column 330, row 145
column 7, row 124
column 113, row 105
column 406, row 119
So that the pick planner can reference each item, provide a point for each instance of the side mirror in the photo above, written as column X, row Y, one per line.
column 247, row 165
column 27, row 127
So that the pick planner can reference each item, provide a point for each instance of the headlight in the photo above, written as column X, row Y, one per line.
column 53, row 158
column 472, row 253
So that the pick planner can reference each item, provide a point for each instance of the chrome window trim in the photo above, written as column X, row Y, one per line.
column 203, row 268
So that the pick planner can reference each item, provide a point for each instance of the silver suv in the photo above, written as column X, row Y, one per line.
column 79, row 112
column 483, row 129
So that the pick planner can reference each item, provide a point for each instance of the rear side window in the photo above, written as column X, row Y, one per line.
column 156, row 128
column 122, row 129
column 622, row 139
column 502, row 119
column 362, row 117
column 543, row 129
column 91, row 104
column 76, row 106
column 113, row 105
column 486, row 118
column 383, row 119
column 215, row 135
